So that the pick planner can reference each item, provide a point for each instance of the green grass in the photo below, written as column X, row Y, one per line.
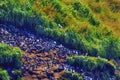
column 4, row 75
column 89, row 26
column 86, row 27
column 98, row 66
column 10, row 58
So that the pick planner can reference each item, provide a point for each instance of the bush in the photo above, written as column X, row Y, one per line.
column 4, row 75
column 86, row 12
column 10, row 57
column 83, row 11
column 94, row 21
column 92, row 64
column 111, row 48
column 73, row 40
column 57, row 5
column 77, row 6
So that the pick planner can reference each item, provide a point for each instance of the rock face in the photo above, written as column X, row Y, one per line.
column 43, row 58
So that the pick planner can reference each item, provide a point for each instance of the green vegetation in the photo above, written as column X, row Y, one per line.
column 98, row 66
column 4, row 75
column 71, row 76
column 84, row 24
column 90, row 26
column 10, row 58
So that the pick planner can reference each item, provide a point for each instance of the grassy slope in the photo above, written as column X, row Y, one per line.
column 88, row 25
column 108, row 11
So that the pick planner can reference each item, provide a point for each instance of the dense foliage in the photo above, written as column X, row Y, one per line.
column 98, row 66
column 82, row 24
column 10, row 59
column 4, row 75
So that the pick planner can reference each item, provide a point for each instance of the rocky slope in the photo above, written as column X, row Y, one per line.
column 42, row 57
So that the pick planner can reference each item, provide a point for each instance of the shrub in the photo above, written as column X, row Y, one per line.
column 93, row 20
column 72, row 39
column 57, row 5
column 86, row 12
column 10, row 57
column 83, row 11
column 4, row 75
column 111, row 48
column 97, row 65
column 77, row 6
